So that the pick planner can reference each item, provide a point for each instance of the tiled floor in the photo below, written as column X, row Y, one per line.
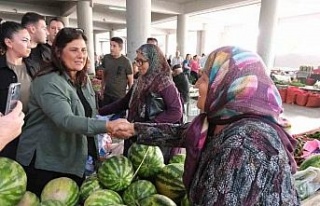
column 302, row 119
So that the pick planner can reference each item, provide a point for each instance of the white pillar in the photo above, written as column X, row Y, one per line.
column 66, row 21
column 203, row 36
column 198, row 46
column 95, row 41
column 85, row 21
column 267, row 29
column 167, row 44
column 138, row 24
column 182, row 33
column 112, row 33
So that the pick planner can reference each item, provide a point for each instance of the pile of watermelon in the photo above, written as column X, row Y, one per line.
column 141, row 179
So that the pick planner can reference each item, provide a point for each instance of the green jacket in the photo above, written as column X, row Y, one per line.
column 56, row 126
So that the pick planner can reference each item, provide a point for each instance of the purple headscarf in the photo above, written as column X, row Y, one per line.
column 157, row 78
column 238, row 87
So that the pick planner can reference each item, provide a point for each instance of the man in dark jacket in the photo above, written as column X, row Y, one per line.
column 37, row 28
column 181, row 82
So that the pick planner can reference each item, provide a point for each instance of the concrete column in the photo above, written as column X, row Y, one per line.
column 66, row 21
column 203, row 41
column 95, row 41
column 198, row 46
column 138, row 24
column 267, row 28
column 167, row 44
column 182, row 32
column 112, row 33
column 85, row 21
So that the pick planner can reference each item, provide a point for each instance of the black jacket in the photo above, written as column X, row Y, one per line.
column 7, row 76
column 40, row 55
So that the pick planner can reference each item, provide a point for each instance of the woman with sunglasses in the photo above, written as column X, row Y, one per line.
column 60, row 128
column 237, row 153
column 154, row 77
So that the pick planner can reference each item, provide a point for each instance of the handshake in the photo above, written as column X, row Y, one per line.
column 120, row 128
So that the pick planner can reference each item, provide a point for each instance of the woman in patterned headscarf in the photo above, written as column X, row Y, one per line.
column 154, row 77
column 237, row 154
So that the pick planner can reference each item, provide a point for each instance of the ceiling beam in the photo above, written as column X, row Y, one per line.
column 116, row 3
column 11, row 17
column 201, row 6
column 67, row 8
column 165, row 7
column 22, row 8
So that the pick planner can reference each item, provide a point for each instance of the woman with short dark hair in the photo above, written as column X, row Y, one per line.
column 60, row 127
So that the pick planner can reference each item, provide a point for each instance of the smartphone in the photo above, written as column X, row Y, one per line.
column 13, row 96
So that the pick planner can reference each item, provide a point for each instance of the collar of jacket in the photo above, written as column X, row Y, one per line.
column 3, row 61
column 31, row 69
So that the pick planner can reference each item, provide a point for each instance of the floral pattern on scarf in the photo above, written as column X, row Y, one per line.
column 238, row 85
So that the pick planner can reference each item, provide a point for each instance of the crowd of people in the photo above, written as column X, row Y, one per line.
column 236, row 152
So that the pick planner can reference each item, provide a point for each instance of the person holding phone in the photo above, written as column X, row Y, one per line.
column 14, row 68
column 10, row 125
column 61, row 124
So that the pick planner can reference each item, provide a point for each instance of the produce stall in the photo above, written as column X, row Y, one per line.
column 142, row 178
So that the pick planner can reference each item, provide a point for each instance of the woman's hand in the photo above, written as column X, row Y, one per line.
column 120, row 128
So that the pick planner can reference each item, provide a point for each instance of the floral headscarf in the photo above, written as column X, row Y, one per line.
column 157, row 78
column 238, row 87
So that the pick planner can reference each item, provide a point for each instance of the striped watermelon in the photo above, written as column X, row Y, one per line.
column 64, row 189
column 178, row 158
column 185, row 201
column 90, row 185
column 116, row 173
column 103, row 197
column 153, row 159
column 157, row 200
column 169, row 181
column 137, row 191
column 29, row 199
column 13, row 182
column 52, row 203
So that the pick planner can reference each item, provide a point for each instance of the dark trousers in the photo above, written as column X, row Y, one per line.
column 10, row 150
column 37, row 178
column 194, row 76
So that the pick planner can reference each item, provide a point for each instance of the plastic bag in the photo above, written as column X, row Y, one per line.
column 307, row 182
column 104, row 141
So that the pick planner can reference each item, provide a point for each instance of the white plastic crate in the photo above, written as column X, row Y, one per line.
column 192, row 109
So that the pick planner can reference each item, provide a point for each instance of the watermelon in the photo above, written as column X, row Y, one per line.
column 52, row 203
column 13, row 182
column 313, row 161
column 185, row 201
column 116, row 173
column 90, row 185
column 169, row 181
column 137, row 191
column 157, row 200
column 64, row 189
column 29, row 199
column 178, row 158
column 150, row 155
column 103, row 197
